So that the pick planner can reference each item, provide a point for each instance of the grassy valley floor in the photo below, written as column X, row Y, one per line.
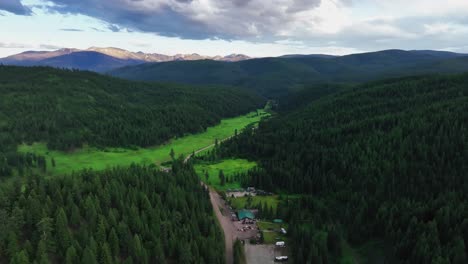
column 100, row 159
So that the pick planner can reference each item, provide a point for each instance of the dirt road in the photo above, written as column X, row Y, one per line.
column 225, row 221
column 223, row 214
column 205, row 148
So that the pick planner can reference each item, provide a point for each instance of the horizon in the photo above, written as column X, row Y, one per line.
column 212, row 56
column 250, row 27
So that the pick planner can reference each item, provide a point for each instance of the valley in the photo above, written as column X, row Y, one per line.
column 101, row 159
column 325, row 173
column 233, row 132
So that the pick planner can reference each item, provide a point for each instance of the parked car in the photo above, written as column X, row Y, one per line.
column 280, row 244
column 281, row 259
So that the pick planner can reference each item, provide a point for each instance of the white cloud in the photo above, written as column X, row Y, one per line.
column 255, row 27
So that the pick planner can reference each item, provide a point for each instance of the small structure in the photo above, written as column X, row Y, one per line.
column 245, row 214
column 234, row 217
column 281, row 259
column 280, row 244
column 277, row 221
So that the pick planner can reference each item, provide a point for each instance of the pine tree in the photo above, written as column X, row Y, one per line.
column 222, row 178
column 172, row 154
column 20, row 258
column 12, row 244
column 158, row 253
column 63, row 233
column 105, row 254
column 114, row 243
column 459, row 252
column 88, row 256
column 207, row 177
column 71, row 256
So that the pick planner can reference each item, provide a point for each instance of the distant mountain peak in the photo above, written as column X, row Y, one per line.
column 114, row 57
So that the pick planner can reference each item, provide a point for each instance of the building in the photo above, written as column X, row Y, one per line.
column 245, row 214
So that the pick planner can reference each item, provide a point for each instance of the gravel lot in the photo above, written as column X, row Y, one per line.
column 261, row 254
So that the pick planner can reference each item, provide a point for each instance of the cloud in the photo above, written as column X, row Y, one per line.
column 5, row 45
column 347, row 24
column 49, row 47
column 71, row 29
column 201, row 19
column 15, row 7
column 113, row 27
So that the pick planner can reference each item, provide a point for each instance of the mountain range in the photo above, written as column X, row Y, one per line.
column 275, row 77
column 103, row 59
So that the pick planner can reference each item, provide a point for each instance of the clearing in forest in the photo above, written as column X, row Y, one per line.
column 229, row 167
column 100, row 159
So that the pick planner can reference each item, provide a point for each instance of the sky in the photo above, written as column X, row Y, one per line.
column 257, row 28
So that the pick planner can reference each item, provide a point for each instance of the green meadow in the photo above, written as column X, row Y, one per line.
column 100, row 159
column 254, row 201
column 270, row 232
column 229, row 168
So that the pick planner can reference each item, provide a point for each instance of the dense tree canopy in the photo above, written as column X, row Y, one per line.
column 67, row 109
column 123, row 215
column 382, row 160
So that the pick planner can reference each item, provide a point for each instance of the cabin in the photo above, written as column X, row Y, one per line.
column 245, row 214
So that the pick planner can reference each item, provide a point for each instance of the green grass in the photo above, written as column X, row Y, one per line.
column 263, row 225
column 272, row 237
column 270, row 234
column 98, row 159
column 229, row 167
column 242, row 202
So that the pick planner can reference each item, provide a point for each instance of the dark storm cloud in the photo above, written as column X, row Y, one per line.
column 15, row 7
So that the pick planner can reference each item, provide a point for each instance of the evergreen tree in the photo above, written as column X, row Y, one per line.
column 88, row 256
column 71, row 256
column 20, row 258
column 62, row 231
column 222, row 178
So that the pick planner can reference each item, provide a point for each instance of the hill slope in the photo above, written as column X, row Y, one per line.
column 70, row 108
column 385, row 160
column 276, row 77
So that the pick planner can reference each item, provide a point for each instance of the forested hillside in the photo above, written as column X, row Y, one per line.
column 385, row 160
column 67, row 109
column 123, row 215
column 278, row 77
column 70, row 108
